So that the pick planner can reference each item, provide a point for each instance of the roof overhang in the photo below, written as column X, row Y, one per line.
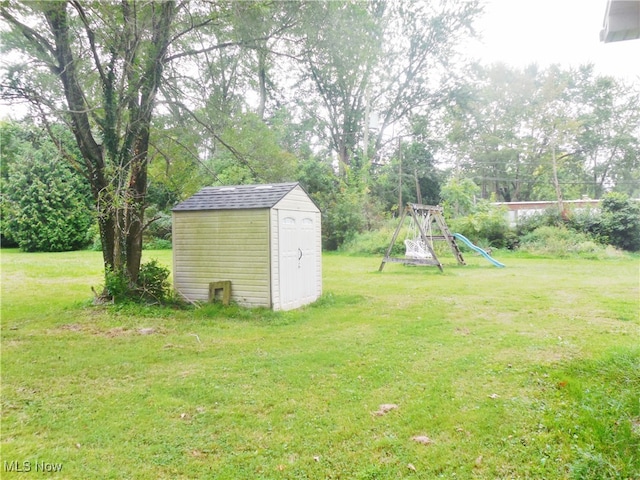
column 621, row 21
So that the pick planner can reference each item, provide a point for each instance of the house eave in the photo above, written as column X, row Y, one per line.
column 621, row 21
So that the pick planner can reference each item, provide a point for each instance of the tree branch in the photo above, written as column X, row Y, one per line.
column 34, row 38
column 91, row 37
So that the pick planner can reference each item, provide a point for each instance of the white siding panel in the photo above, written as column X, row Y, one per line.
column 297, row 201
column 275, row 264
column 222, row 245
column 318, row 217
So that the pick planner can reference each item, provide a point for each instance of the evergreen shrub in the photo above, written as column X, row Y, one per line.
column 48, row 204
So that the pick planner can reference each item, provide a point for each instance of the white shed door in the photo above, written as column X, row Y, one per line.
column 297, row 259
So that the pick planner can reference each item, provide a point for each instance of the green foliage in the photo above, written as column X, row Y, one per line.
column 157, row 235
column 620, row 221
column 584, row 221
column 318, row 179
column 347, row 208
column 152, row 281
column 344, row 217
column 46, row 203
column 478, row 220
column 376, row 242
column 157, row 244
column 549, row 218
column 507, row 125
column 458, row 196
column 152, row 284
column 617, row 223
column 251, row 154
column 116, row 285
column 418, row 172
column 559, row 241
column 485, row 225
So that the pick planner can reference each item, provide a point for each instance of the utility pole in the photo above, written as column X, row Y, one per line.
column 556, row 183
column 418, row 191
column 400, row 204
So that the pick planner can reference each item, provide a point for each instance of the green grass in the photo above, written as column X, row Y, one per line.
column 531, row 371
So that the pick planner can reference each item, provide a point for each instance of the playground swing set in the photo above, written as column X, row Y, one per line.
column 427, row 225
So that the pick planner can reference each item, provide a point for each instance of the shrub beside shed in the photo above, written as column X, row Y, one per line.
column 263, row 239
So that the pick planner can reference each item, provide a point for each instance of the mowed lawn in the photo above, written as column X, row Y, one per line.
column 531, row 371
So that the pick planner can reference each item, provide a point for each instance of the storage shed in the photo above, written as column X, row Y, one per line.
column 263, row 239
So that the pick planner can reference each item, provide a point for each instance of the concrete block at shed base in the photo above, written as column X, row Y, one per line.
column 220, row 290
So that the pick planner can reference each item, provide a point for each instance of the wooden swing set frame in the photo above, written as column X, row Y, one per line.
column 425, row 218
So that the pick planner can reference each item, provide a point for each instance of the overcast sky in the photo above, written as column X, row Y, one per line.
column 520, row 32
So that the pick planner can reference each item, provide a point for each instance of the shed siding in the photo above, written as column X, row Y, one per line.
column 296, row 200
column 318, row 223
column 223, row 245
column 275, row 264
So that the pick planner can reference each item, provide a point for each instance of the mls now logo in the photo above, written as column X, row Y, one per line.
column 27, row 466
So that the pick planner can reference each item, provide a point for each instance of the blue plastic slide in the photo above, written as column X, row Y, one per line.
column 466, row 241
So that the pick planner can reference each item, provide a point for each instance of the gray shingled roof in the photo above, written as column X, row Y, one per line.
column 236, row 197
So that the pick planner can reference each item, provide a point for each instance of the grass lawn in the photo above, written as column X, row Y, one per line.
column 531, row 371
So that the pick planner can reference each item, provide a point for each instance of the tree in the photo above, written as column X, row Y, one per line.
column 411, row 176
column 107, row 61
column 609, row 140
column 383, row 60
column 46, row 201
column 539, row 134
column 459, row 196
column 340, row 51
column 492, row 132
column 102, row 68
column 419, row 66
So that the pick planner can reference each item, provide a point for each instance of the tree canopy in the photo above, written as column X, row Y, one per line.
column 369, row 103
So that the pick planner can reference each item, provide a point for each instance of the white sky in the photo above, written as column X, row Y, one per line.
column 520, row 32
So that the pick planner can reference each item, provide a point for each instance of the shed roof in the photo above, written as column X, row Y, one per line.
column 237, row 197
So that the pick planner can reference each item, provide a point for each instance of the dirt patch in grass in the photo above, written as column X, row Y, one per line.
column 113, row 332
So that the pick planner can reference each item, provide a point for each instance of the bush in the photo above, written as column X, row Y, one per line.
column 157, row 244
column 560, row 242
column 343, row 217
column 48, row 204
column 152, row 284
column 152, row 281
column 620, row 221
column 158, row 225
column 549, row 218
column 376, row 242
column 458, row 197
column 487, row 225
column 617, row 224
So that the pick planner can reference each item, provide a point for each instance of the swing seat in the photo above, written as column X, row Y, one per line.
column 416, row 249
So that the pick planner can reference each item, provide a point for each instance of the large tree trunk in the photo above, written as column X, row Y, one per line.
column 120, row 199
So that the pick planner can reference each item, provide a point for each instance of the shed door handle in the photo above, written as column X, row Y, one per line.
column 299, row 254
